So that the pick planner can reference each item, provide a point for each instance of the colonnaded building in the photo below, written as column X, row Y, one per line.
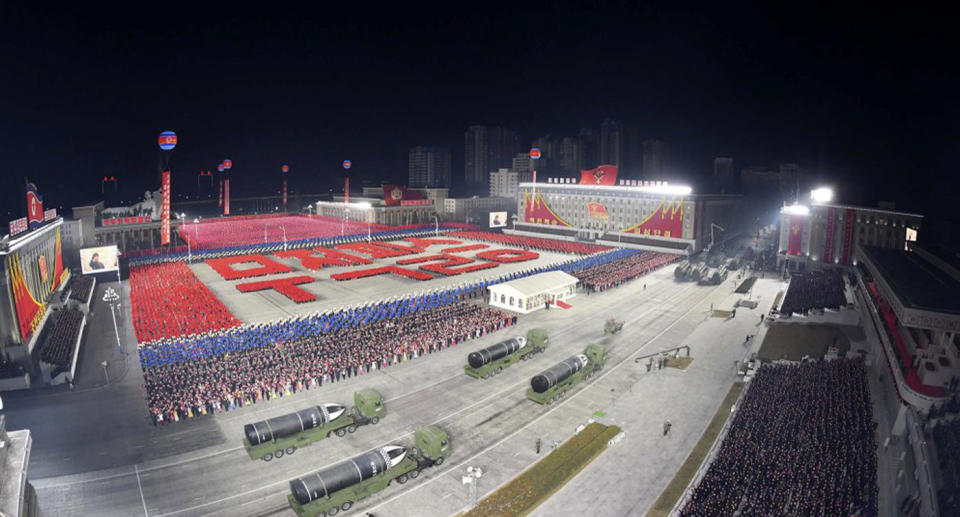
column 644, row 214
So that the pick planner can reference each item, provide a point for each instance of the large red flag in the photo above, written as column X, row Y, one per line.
column 795, row 243
column 602, row 175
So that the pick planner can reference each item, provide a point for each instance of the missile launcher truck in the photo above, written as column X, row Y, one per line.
column 553, row 384
column 490, row 361
column 338, row 488
column 275, row 437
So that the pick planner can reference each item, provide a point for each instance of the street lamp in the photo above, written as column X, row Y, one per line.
column 513, row 218
column 436, row 225
column 111, row 298
column 182, row 216
column 470, row 480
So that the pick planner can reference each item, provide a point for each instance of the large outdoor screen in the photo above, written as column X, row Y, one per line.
column 498, row 219
column 99, row 260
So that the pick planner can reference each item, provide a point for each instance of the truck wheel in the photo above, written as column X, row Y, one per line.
column 267, row 457
column 438, row 461
column 375, row 420
column 499, row 369
column 486, row 376
column 414, row 474
column 290, row 450
column 352, row 429
column 333, row 511
column 524, row 357
column 341, row 432
column 402, row 478
column 346, row 506
column 278, row 453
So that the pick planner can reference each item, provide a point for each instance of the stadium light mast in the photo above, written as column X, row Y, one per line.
column 111, row 298
column 181, row 216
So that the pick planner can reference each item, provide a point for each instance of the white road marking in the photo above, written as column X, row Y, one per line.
column 140, row 488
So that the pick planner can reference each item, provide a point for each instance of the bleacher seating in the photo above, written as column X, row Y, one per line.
column 61, row 338
column 814, row 290
column 80, row 288
column 946, row 438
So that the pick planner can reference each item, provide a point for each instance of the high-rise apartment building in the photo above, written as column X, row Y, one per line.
column 571, row 156
column 429, row 166
column 611, row 142
column 504, row 183
column 589, row 149
column 654, row 156
column 487, row 148
column 723, row 174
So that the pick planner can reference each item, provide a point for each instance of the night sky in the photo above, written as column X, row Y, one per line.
column 864, row 97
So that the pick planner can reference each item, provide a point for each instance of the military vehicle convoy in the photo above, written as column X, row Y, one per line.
column 338, row 488
column 553, row 384
column 490, row 361
column 612, row 326
column 275, row 437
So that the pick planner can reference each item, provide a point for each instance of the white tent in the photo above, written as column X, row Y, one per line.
column 528, row 294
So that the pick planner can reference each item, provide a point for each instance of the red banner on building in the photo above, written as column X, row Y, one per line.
column 847, row 236
column 602, row 175
column 284, row 192
column 795, row 241
column 597, row 211
column 395, row 195
column 831, row 235
column 537, row 211
column 226, row 196
column 665, row 221
column 165, row 209
column 220, row 201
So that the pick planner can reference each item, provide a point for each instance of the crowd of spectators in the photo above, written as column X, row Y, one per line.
column 537, row 243
column 802, row 443
column 61, row 337
column 81, row 287
column 168, row 300
column 612, row 274
column 814, row 290
column 295, row 359
column 946, row 439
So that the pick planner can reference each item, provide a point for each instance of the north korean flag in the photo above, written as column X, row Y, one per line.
column 34, row 206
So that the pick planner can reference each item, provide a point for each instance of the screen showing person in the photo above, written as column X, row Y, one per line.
column 498, row 219
column 99, row 260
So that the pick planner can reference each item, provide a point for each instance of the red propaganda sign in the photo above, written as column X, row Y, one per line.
column 597, row 211
column 284, row 191
column 42, row 266
column 50, row 215
column 411, row 202
column 226, row 196
column 34, row 206
column 165, row 210
column 535, row 153
column 18, row 226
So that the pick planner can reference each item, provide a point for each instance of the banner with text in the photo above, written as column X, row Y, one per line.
column 165, row 210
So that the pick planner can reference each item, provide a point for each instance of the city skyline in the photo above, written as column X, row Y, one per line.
column 90, row 92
